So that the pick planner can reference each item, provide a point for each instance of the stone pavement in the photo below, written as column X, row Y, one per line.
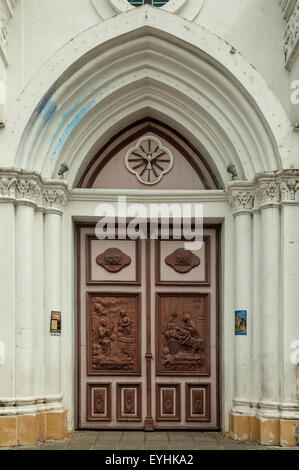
column 132, row 440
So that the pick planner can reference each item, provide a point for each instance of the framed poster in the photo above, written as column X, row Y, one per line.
column 241, row 322
column 55, row 324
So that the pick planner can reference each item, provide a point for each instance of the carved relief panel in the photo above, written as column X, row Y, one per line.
column 129, row 402
column 182, row 334
column 198, row 402
column 99, row 402
column 168, row 402
column 113, row 334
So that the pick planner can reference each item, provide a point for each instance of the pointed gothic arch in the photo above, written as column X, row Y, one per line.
column 118, row 72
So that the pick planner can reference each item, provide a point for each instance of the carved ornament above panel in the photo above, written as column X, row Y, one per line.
column 113, row 260
column 182, row 261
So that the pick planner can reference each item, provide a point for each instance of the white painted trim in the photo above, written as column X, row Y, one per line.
column 173, row 6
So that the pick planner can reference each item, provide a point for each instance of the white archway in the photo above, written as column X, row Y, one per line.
column 148, row 62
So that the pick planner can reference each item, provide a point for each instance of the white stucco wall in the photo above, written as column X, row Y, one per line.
column 253, row 27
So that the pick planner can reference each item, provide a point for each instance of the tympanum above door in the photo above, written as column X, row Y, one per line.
column 148, row 155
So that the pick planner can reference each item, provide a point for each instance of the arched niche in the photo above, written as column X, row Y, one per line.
column 148, row 155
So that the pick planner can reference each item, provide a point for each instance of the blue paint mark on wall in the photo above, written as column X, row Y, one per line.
column 70, row 127
column 65, row 118
column 47, row 108
column 48, row 113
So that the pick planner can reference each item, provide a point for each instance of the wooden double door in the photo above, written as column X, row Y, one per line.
column 147, row 333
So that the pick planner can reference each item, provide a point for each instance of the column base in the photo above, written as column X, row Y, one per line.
column 28, row 430
column 272, row 432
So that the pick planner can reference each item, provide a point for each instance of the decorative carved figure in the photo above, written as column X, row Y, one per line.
column 113, row 260
column 113, row 344
column 182, row 338
column 182, row 261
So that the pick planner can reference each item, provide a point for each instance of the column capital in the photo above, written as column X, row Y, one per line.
column 241, row 197
column 289, row 187
column 54, row 200
column 7, row 188
column 29, row 188
column 268, row 193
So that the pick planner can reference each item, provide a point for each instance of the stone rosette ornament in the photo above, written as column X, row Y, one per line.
column 149, row 160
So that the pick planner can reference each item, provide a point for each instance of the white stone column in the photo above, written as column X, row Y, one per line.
column 27, row 196
column 242, row 201
column 53, row 201
column 256, row 319
column 7, row 291
column 290, row 288
column 39, row 303
column 269, row 199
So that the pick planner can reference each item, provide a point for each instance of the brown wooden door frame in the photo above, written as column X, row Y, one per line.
column 149, row 421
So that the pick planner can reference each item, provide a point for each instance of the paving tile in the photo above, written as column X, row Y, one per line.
column 105, row 446
column 206, row 436
column 156, row 445
column 87, row 440
column 131, row 446
column 79, row 446
column 156, row 436
column 187, row 445
column 56, row 445
column 111, row 434
column 88, row 433
column 29, row 448
column 207, row 446
column 235, row 446
column 108, row 438
column 129, row 437
column 179, row 436
column 138, row 440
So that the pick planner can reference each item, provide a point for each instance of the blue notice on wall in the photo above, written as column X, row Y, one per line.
column 241, row 322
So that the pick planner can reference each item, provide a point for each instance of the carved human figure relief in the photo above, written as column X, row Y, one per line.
column 182, row 336
column 113, row 334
